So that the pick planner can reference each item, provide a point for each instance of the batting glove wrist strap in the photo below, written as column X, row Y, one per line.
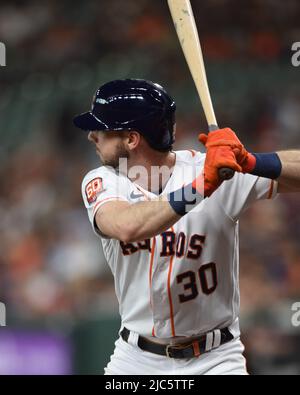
column 263, row 165
column 185, row 199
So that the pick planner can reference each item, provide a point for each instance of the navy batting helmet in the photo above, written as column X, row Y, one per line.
column 133, row 104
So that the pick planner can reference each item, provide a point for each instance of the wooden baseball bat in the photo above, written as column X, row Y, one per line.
column 185, row 25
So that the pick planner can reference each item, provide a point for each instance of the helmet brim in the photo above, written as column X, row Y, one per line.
column 88, row 122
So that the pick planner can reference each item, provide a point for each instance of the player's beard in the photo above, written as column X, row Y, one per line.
column 114, row 159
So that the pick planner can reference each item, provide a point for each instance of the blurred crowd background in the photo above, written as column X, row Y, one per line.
column 62, row 314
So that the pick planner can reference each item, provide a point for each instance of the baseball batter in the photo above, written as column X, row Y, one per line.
column 169, row 230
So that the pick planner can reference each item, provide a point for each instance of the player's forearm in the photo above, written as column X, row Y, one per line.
column 148, row 219
column 290, row 173
column 283, row 166
column 144, row 220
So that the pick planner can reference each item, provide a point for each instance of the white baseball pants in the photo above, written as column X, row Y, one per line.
column 130, row 360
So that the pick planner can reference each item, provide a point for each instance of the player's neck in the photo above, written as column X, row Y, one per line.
column 156, row 170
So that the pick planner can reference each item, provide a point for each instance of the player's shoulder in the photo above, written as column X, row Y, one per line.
column 103, row 177
column 190, row 156
column 103, row 180
column 102, row 171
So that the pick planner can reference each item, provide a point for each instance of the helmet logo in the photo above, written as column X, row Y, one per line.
column 101, row 101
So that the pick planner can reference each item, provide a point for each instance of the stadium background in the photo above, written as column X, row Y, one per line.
column 62, row 314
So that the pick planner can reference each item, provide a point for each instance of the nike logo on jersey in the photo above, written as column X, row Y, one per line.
column 134, row 195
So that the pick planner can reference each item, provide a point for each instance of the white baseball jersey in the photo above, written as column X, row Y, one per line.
column 185, row 281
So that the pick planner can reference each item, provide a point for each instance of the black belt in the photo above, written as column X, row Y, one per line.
column 191, row 349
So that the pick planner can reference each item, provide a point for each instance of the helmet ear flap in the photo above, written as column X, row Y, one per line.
column 171, row 128
column 170, row 118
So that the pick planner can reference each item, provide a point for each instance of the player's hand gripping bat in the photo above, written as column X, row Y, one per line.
column 183, row 17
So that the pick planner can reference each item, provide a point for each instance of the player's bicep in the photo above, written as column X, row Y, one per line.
column 107, row 219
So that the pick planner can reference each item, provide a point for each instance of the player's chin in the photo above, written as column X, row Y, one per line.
column 114, row 163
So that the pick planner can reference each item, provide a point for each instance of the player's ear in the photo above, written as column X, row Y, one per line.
column 133, row 139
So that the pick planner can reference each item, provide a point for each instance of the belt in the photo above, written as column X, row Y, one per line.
column 194, row 348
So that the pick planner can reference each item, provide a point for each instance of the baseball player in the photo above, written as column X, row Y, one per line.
column 171, row 237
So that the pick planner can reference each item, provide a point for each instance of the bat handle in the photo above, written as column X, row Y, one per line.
column 225, row 173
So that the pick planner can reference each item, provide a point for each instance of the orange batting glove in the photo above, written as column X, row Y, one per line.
column 227, row 137
column 224, row 149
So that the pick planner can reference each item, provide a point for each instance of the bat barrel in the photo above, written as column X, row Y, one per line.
column 183, row 17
